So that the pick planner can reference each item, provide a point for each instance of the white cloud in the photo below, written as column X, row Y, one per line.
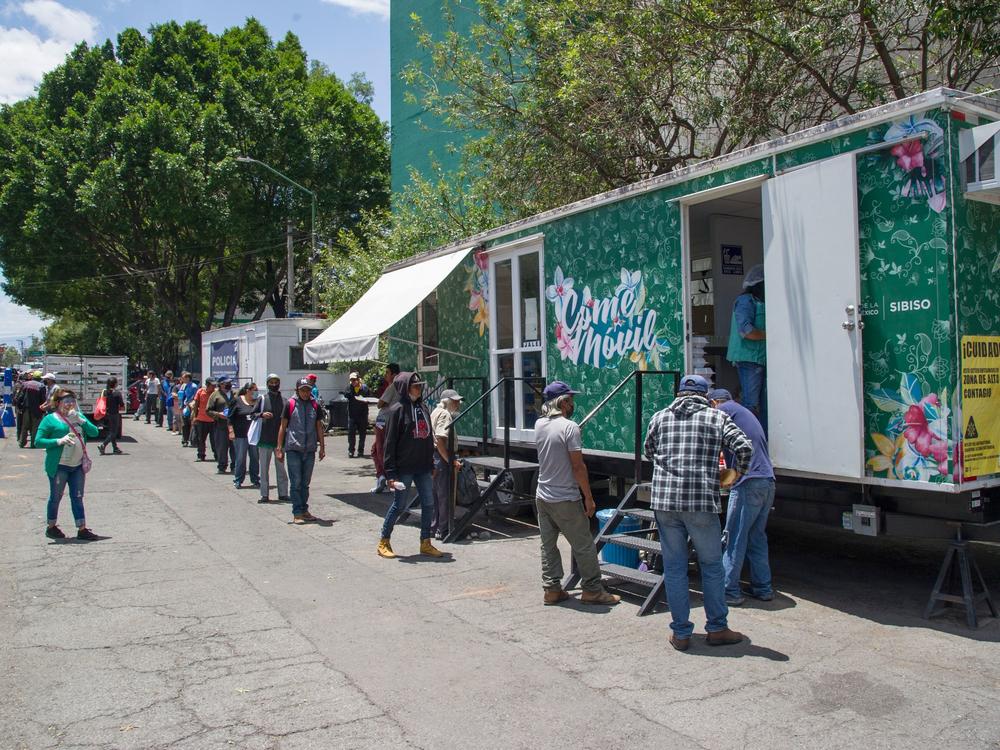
column 374, row 7
column 26, row 54
column 17, row 322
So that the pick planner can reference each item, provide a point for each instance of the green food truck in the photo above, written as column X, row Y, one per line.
column 879, row 235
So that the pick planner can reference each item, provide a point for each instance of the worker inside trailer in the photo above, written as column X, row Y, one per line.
column 748, row 344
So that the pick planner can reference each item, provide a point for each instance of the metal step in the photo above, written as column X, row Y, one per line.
column 495, row 463
column 642, row 513
column 633, row 542
column 631, row 575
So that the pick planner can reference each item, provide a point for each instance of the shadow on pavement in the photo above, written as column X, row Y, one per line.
column 700, row 647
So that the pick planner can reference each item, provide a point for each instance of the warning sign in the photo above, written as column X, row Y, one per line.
column 981, row 405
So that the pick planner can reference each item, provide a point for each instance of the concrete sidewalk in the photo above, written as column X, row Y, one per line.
column 209, row 621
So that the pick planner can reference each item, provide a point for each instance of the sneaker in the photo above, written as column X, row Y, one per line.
column 221, row 471
column 86, row 535
column 255, row 485
column 117, row 452
column 237, row 486
column 54, row 532
column 101, row 449
column 184, row 444
column 263, row 501
column 768, row 597
column 284, row 499
column 735, row 601
column 350, row 455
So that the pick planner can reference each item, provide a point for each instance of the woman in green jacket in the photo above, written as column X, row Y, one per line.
column 65, row 453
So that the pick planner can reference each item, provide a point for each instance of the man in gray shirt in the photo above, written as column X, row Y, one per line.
column 562, row 476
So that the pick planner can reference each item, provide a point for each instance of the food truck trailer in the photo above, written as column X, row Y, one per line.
column 879, row 234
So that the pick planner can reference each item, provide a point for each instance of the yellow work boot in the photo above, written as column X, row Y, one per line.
column 426, row 548
column 385, row 549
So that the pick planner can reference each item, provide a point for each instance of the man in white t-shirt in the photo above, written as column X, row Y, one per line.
column 152, row 395
column 562, row 476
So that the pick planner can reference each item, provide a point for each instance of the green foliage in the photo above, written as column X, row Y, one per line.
column 122, row 206
column 561, row 99
column 11, row 357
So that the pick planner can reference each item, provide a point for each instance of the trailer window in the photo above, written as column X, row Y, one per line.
column 427, row 333
column 296, row 359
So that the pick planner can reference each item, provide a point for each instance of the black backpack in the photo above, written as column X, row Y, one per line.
column 468, row 485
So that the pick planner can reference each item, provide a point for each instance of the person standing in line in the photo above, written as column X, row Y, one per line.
column 114, row 405
column 299, row 436
column 140, row 390
column 186, row 391
column 272, row 406
column 166, row 403
column 32, row 411
column 445, row 445
column 152, row 395
column 387, row 396
column 562, row 478
column 203, row 422
column 218, row 409
column 750, row 501
column 748, row 344
column 409, row 459
column 61, row 434
column 684, row 442
column 49, row 381
column 242, row 413
column 357, row 414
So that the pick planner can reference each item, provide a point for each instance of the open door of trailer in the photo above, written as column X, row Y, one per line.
column 811, row 269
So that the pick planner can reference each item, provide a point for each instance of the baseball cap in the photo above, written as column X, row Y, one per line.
column 415, row 379
column 353, row 376
column 48, row 376
column 303, row 383
column 209, row 381
column 225, row 381
column 272, row 376
column 555, row 389
column 695, row 383
column 720, row 394
column 451, row 395
column 310, row 377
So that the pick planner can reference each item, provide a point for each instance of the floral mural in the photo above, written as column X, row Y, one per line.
column 600, row 332
column 920, row 162
column 478, row 288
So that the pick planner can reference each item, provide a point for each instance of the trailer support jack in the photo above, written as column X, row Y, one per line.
column 959, row 566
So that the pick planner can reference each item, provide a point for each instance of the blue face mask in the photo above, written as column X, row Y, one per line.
column 252, row 395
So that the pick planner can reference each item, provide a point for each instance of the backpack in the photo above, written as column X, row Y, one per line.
column 468, row 485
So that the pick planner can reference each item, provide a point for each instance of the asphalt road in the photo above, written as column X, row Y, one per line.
column 209, row 621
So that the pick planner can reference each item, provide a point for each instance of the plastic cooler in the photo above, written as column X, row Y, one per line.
column 614, row 553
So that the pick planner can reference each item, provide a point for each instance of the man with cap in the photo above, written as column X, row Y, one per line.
column 311, row 377
column 445, row 445
column 272, row 406
column 750, row 501
column 49, row 380
column 357, row 414
column 683, row 442
column 202, row 421
column 31, row 399
column 562, row 478
column 299, row 436
column 748, row 344
column 218, row 409
column 409, row 459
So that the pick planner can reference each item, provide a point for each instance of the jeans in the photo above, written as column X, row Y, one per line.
column 264, row 461
column 185, row 429
column 753, row 389
column 569, row 518
column 425, row 490
column 300, row 469
column 74, row 477
column 706, row 534
column 220, row 442
column 243, row 448
column 378, row 451
column 746, row 521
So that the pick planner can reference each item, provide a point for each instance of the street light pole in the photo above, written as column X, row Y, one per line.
column 312, row 236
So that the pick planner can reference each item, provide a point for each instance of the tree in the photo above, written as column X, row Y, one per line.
column 122, row 205
column 561, row 99
column 11, row 357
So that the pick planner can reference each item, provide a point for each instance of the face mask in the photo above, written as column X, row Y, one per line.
column 252, row 395
column 274, row 387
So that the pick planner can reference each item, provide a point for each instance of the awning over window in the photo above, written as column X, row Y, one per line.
column 354, row 335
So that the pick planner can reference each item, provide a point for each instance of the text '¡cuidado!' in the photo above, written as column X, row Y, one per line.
column 981, row 349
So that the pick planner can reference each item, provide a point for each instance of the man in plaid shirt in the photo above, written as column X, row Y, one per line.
column 684, row 442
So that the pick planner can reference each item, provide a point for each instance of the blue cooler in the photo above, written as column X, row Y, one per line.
column 615, row 553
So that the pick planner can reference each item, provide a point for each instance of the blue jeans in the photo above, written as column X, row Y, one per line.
column 300, row 470
column 425, row 490
column 753, row 389
column 746, row 537
column 706, row 534
column 74, row 477
column 243, row 447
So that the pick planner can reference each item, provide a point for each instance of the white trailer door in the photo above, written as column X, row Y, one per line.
column 813, row 340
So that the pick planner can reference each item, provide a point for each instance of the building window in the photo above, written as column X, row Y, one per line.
column 427, row 333
column 296, row 360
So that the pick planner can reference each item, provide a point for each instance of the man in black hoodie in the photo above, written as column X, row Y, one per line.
column 409, row 459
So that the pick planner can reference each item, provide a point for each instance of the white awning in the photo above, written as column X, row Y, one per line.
column 354, row 335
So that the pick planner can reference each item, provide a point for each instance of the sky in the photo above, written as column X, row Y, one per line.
column 35, row 35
